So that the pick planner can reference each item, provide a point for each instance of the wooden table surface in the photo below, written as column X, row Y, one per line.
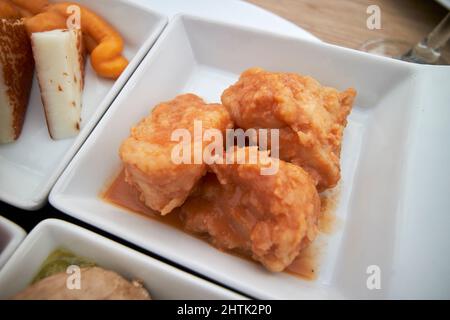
column 343, row 22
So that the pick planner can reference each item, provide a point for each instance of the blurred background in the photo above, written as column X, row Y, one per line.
column 343, row 22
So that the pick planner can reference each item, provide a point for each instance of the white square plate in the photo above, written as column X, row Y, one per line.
column 393, row 148
column 163, row 281
column 238, row 12
column 30, row 166
column 11, row 235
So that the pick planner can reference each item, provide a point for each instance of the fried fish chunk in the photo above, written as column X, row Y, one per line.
column 310, row 118
column 163, row 183
column 270, row 217
column 97, row 284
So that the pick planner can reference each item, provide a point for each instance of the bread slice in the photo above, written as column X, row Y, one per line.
column 59, row 58
column 16, row 74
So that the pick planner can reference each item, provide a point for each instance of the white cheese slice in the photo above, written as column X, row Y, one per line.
column 59, row 59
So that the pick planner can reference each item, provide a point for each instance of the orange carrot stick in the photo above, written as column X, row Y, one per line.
column 32, row 6
column 106, row 56
column 8, row 10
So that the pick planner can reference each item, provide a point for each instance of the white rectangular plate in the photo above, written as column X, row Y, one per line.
column 162, row 281
column 11, row 235
column 30, row 166
column 378, row 206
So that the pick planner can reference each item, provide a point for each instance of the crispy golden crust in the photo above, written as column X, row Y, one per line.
column 18, row 65
column 311, row 118
column 146, row 154
column 271, row 217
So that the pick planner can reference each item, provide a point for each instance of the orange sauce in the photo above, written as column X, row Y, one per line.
column 304, row 266
column 328, row 203
column 125, row 196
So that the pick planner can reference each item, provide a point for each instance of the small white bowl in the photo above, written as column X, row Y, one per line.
column 162, row 280
column 31, row 165
column 11, row 235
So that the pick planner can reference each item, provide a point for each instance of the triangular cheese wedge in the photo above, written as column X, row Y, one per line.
column 59, row 58
column 16, row 74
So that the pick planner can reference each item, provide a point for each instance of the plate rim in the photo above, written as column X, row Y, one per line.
column 51, row 224
column 38, row 198
column 17, row 235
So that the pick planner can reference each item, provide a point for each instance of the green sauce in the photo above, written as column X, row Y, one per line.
column 58, row 261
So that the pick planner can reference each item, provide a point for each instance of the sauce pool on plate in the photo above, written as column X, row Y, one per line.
column 123, row 195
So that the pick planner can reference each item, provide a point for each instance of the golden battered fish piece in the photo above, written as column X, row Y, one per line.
column 270, row 217
column 147, row 153
column 311, row 118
